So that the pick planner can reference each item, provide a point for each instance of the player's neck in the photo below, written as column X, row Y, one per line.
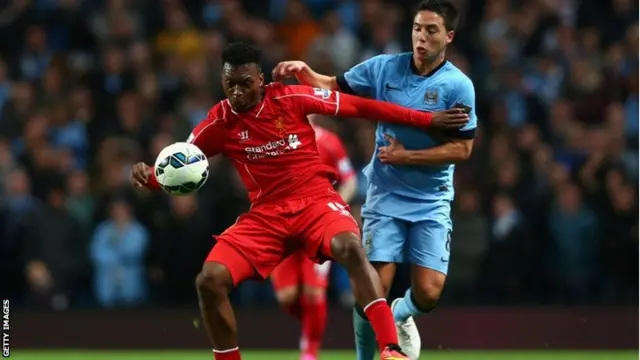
column 425, row 67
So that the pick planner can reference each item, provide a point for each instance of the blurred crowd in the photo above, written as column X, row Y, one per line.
column 546, row 210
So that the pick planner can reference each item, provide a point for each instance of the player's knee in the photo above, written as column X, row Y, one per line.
column 427, row 292
column 313, row 294
column 287, row 296
column 214, row 280
column 348, row 251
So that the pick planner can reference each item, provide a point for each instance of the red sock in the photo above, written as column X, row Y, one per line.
column 230, row 354
column 381, row 318
column 314, row 321
column 294, row 309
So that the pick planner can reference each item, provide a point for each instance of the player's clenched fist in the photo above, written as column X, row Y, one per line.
column 140, row 174
column 451, row 118
column 287, row 69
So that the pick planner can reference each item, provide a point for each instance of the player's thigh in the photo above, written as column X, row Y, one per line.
column 429, row 241
column 319, row 222
column 288, row 277
column 252, row 247
column 384, row 238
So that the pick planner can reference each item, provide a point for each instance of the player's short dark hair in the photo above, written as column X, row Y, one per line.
column 239, row 53
column 444, row 8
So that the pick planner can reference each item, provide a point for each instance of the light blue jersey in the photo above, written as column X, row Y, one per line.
column 407, row 211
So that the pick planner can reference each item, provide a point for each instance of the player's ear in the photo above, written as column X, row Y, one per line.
column 450, row 35
column 261, row 79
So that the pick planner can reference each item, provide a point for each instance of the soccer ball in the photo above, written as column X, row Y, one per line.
column 181, row 168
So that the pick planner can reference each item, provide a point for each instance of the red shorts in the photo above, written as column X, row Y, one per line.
column 297, row 270
column 262, row 238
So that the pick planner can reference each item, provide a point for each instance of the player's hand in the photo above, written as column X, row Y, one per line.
column 394, row 153
column 449, row 119
column 287, row 69
column 140, row 174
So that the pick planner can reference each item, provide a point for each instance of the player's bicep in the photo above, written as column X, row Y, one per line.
column 310, row 100
column 360, row 79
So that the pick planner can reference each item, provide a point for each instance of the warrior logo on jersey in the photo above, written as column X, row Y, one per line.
column 431, row 97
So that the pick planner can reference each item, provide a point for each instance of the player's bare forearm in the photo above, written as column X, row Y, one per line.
column 448, row 153
column 347, row 190
column 311, row 78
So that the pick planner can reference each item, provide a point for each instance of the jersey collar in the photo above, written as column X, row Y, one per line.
column 414, row 69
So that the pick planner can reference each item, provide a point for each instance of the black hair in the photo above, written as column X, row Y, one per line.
column 444, row 8
column 239, row 53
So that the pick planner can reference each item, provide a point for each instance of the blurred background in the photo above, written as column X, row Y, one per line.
column 546, row 211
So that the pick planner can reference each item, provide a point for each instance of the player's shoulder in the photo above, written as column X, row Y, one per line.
column 383, row 60
column 217, row 114
column 278, row 91
column 456, row 77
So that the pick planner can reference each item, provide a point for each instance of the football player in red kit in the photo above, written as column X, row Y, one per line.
column 300, row 283
column 264, row 130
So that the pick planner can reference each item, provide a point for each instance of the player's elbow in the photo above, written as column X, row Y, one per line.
column 460, row 150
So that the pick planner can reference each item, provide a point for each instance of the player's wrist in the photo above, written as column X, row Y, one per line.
column 404, row 157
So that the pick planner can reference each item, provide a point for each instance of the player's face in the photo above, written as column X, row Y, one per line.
column 242, row 85
column 430, row 36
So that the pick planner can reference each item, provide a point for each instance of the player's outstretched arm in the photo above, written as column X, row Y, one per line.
column 332, row 103
column 354, row 106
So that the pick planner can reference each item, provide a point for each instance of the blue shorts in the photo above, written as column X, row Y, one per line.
column 425, row 243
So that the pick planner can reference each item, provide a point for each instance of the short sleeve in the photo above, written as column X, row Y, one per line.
column 360, row 79
column 464, row 93
column 307, row 100
column 209, row 134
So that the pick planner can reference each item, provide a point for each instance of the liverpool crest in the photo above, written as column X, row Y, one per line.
column 279, row 124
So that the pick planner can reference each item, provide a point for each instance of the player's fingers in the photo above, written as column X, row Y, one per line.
column 291, row 69
column 390, row 139
column 457, row 124
column 141, row 175
column 458, row 117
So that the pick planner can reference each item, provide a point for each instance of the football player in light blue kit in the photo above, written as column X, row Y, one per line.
column 410, row 177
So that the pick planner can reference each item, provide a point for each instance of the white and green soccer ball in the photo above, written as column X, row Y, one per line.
column 181, row 168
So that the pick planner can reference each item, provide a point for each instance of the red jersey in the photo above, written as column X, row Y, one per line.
column 273, row 147
column 333, row 154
